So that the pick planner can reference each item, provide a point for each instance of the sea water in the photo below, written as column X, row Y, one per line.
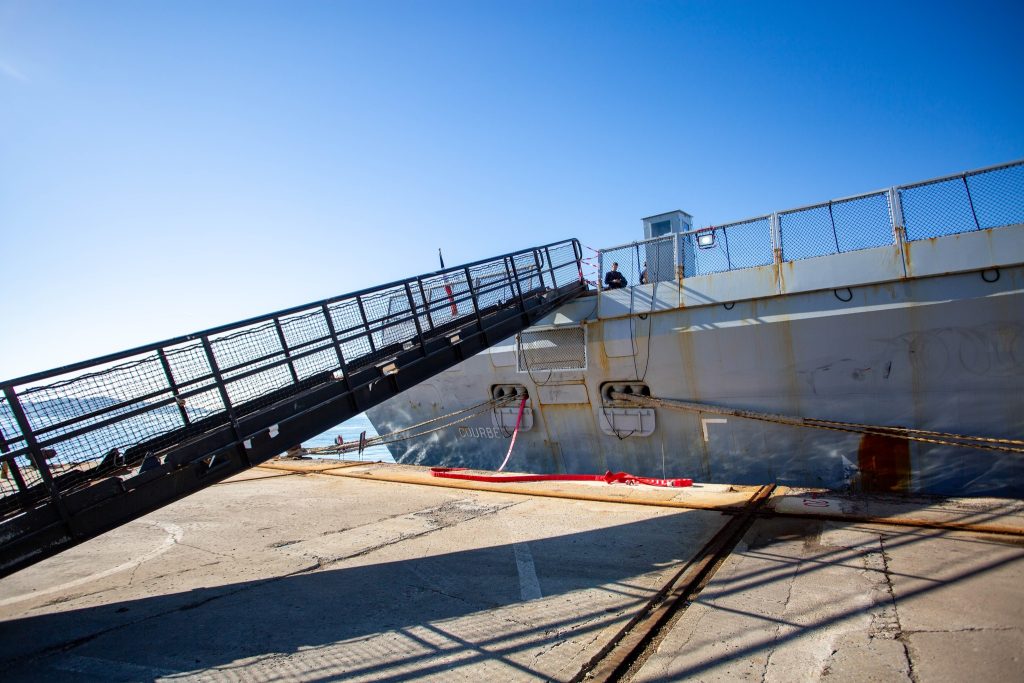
column 350, row 430
column 125, row 434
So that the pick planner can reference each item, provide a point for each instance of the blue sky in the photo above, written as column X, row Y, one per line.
column 171, row 166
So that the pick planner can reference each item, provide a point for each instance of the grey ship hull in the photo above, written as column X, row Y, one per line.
column 926, row 334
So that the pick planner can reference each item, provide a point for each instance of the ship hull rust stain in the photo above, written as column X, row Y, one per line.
column 884, row 464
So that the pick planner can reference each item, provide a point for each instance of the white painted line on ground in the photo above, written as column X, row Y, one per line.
column 174, row 535
column 529, row 586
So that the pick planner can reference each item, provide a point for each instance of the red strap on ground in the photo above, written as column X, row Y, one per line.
column 608, row 477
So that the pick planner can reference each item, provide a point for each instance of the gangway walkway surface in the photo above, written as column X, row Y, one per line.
column 90, row 446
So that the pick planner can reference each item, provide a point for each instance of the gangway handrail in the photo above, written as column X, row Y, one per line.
column 93, row 444
column 99, row 360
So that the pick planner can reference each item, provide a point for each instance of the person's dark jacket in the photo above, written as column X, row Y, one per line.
column 613, row 279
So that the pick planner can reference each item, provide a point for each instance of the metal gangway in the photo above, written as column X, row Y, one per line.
column 90, row 446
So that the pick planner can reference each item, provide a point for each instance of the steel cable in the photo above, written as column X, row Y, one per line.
column 832, row 425
column 384, row 439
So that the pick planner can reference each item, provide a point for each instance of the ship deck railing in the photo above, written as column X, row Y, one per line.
column 971, row 201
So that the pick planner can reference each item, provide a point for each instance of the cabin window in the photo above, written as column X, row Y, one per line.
column 661, row 228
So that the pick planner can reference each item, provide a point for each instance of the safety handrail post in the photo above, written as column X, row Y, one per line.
column 426, row 304
column 285, row 350
column 472, row 297
column 35, row 454
column 12, row 465
column 577, row 252
column 776, row 230
column 518, row 284
column 415, row 320
column 540, row 269
column 175, row 390
column 336, row 344
column 218, row 380
column 366, row 324
column 551, row 269
column 677, row 261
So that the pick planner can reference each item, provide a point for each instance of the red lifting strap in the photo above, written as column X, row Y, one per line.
column 608, row 477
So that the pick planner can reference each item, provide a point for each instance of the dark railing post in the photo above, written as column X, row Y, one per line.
column 577, row 251
column 540, row 269
column 415, row 319
column 366, row 324
column 35, row 455
column 728, row 258
column 11, row 465
column 336, row 344
column 834, row 235
column 472, row 296
column 970, row 200
column 518, row 285
column 508, row 279
column 426, row 303
column 284, row 348
column 551, row 269
column 178, row 401
column 221, row 387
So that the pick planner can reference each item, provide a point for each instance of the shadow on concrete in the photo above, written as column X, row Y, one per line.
column 466, row 605
column 800, row 623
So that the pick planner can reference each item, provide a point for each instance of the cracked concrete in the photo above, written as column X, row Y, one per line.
column 812, row 600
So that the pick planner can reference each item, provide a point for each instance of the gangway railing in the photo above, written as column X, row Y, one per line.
column 90, row 446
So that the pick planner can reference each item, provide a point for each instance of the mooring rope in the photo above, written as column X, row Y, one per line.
column 394, row 437
column 906, row 433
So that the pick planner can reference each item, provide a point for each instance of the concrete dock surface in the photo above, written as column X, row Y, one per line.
column 315, row 571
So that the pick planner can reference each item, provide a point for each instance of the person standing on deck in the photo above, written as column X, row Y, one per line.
column 613, row 279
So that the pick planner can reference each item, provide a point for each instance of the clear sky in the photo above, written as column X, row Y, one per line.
column 171, row 166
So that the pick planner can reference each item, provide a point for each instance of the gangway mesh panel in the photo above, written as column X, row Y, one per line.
column 62, row 431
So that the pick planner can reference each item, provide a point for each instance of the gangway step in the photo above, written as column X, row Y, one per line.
column 88, row 447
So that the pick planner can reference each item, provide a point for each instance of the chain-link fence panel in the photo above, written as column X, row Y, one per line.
column 835, row 227
column 557, row 348
column 622, row 267
column 749, row 242
column 703, row 252
column 863, row 222
column 639, row 263
column 990, row 198
column 938, row 208
column 807, row 233
column 998, row 195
